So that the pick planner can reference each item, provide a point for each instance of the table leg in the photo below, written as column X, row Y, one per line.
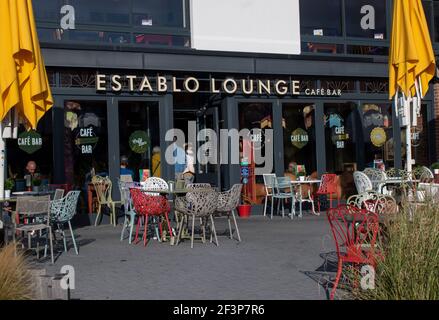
column 300, row 193
column 90, row 199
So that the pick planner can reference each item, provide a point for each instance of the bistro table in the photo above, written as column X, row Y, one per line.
column 176, row 192
column 300, row 197
column 397, row 181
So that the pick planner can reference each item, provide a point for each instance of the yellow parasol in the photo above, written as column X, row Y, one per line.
column 411, row 58
column 23, row 79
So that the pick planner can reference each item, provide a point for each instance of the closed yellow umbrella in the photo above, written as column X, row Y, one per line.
column 23, row 79
column 411, row 58
column 411, row 61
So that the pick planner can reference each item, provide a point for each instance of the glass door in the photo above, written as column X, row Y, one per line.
column 207, row 167
column 139, row 139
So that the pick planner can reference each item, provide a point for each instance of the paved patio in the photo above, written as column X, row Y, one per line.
column 277, row 259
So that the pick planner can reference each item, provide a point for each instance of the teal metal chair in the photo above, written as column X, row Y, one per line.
column 282, row 190
column 62, row 212
column 130, row 214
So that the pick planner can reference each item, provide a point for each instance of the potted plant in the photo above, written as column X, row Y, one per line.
column 244, row 209
column 435, row 167
column 301, row 175
column 9, row 185
column 36, row 183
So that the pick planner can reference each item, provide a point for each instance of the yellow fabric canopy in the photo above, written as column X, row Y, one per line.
column 411, row 57
column 23, row 78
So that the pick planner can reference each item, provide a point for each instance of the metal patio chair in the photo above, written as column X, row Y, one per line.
column 129, row 212
column 227, row 203
column 103, row 189
column 61, row 213
column 268, row 186
column 362, row 182
column 149, row 206
column 282, row 190
column 197, row 205
column 27, row 209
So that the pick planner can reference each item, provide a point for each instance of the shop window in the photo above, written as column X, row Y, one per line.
column 315, row 47
column 48, row 11
column 139, row 138
column 85, row 141
column 419, row 136
column 367, row 50
column 366, row 19
column 256, row 116
column 378, row 140
column 340, row 137
column 299, row 137
column 159, row 13
column 321, row 18
column 436, row 19
column 41, row 153
column 101, row 11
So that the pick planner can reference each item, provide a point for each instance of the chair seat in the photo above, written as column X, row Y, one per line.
column 283, row 195
column 31, row 227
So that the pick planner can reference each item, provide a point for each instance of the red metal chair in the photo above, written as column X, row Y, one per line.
column 355, row 233
column 146, row 206
column 327, row 187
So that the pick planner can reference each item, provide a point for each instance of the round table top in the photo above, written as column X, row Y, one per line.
column 305, row 181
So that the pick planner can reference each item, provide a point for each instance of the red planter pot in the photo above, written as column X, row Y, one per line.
column 244, row 210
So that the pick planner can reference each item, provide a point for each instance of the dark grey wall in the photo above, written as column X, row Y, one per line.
column 283, row 65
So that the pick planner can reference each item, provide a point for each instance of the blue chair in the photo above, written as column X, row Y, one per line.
column 127, row 202
column 62, row 212
column 282, row 190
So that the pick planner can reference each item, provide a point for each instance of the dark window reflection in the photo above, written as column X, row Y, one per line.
column 378, row 141
column 162, row 13
column 299, row 136
column 362, row 24
column 321, row 17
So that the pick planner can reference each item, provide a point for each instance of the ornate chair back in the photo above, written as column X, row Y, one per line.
column 63, row 210
column 148, row 205
column 229, row 200
column 155, row 183
column 362, row 182
column 352, row 228
column 328, row 184
column 103, row 187
column 202, row 203
column 194, row 186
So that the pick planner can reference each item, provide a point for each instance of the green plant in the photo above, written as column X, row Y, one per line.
column 9, row 184
column 435, row 165
column 36, row 182
column 410, row 267
column 15, row 278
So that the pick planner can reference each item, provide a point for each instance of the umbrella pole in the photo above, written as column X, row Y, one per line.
column 2, row 162
column 408, row 142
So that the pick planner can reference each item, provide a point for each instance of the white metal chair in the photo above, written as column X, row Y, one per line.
column 268, row 186
column 376, row 175
column 283, row 190
column 61, row 212
column 362, row 182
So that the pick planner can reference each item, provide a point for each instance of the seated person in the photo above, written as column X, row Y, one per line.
column 123, row 167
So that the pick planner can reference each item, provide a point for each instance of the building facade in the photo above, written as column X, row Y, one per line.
column 336, row 117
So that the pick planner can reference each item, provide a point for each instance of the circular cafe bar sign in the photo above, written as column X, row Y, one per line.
column 139, row 141
column 86, row 140
column 30, row 141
